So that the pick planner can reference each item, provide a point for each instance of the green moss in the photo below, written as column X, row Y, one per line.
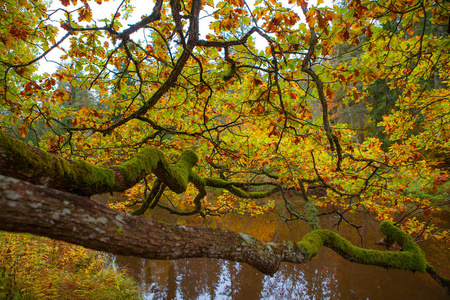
column 23, row 157
column 220, row 183
column 411, row 258
column 313, row 220
column 216, row 182
column 258, row 195
column 181, row 170
column 196, row 179
column 118, row 229
column 417, row 256
column 143, row 163
column 148, row 160
column 187, row 160
column 40, row 163
column 95, row 175
column 151, row 160
column 312, row 242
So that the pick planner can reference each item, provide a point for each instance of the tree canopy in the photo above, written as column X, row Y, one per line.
column 345, row 105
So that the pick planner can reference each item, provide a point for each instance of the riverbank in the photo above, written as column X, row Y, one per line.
column 34, row 267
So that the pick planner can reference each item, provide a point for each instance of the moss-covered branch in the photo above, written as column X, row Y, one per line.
column 79, row 220
column 22, row 161
column 232, row 188
column 411, row 258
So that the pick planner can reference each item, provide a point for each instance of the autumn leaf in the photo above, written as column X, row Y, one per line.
column 257, row 81
column 259, row 109
column 85, row 14
column 329, row 92
column 441, row 179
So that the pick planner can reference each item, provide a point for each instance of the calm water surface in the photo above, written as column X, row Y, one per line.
column 327, row 276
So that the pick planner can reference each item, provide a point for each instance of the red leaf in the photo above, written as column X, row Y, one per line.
column 329, row 93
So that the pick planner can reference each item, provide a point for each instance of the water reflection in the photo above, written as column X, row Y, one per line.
column 327, row 276
column 320, row 279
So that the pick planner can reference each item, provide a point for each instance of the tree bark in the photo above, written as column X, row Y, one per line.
column 25, row 207
column 79, row 220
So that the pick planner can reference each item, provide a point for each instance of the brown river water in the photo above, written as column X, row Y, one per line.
column 327, row 276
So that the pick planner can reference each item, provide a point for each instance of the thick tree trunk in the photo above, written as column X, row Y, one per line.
column 76, row 219
column 79, row 220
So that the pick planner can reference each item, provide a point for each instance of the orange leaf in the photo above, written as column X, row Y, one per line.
column 441, row 179
column 329, row 93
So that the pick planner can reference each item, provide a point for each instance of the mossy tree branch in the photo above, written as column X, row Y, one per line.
column 35, row 209
column 25, row 162
column 22, row 161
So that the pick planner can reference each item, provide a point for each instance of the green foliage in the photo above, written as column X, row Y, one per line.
column 382, row 100
column 33, row 267
column 10, row 289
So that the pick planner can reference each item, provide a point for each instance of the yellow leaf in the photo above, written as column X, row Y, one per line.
column 308, row 114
